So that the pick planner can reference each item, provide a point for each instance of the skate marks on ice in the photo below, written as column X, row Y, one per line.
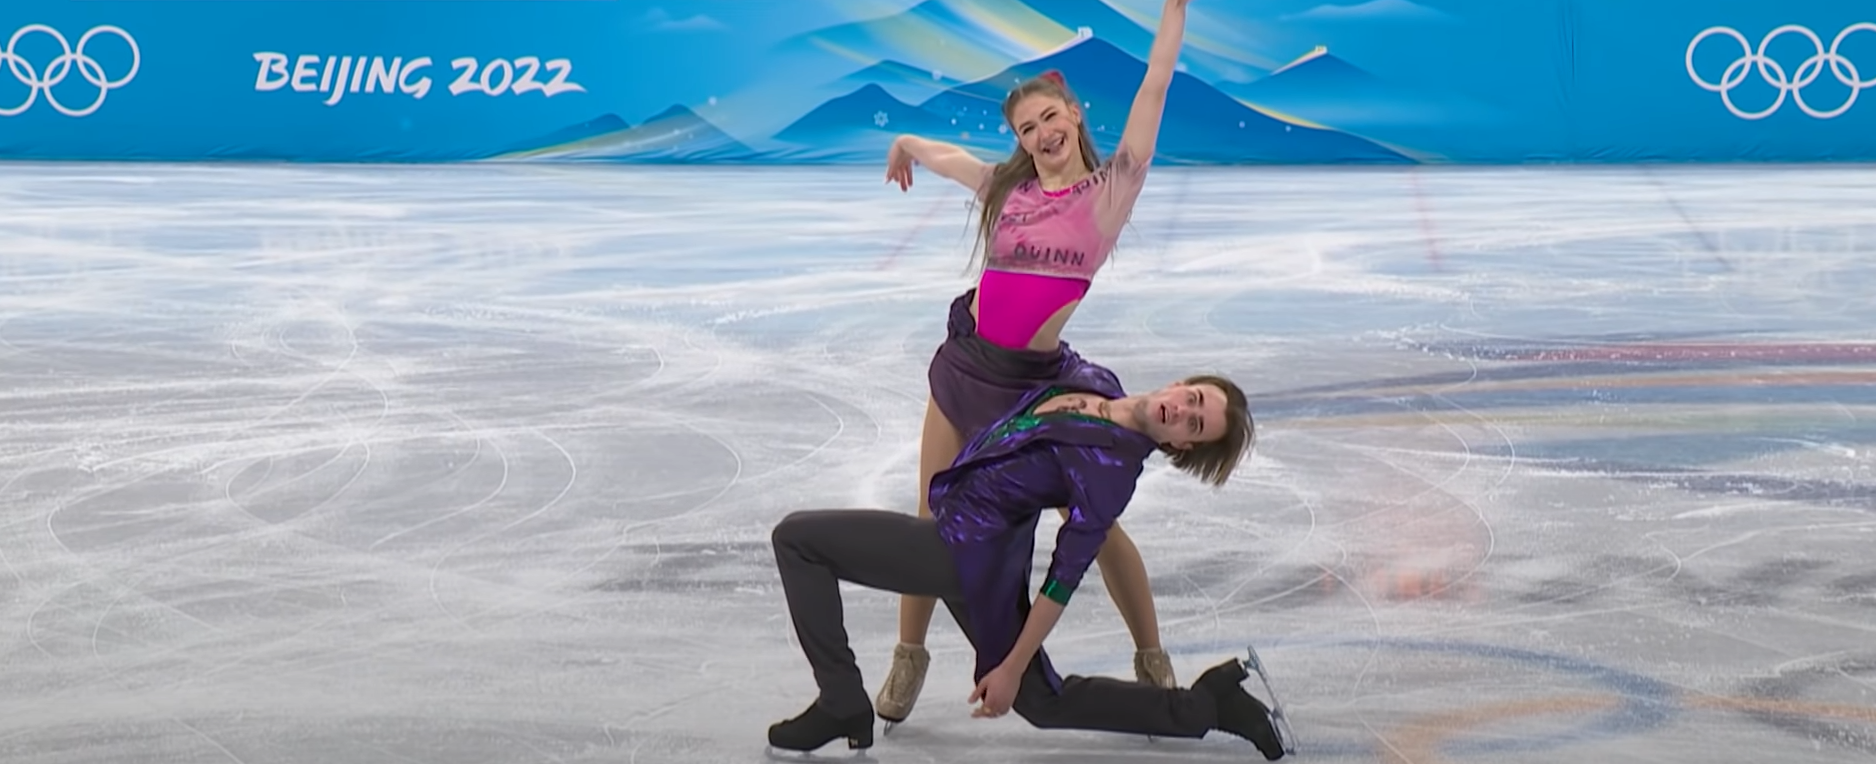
column 1713, row 541
column 1517, row 704
column 477, row 464
column 283, row 489
column 1683, row 502
column 1727, row 425
column 314, row 737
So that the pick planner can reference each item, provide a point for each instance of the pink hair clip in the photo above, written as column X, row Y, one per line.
column 1055, row 76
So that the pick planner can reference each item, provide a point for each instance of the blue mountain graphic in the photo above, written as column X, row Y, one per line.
column 903, row 81
column 1201, row 123
column 959, row 24
column 601, row 125
column 864, row 121
column 676, row 134
column 1327, row 90
column 607, row 123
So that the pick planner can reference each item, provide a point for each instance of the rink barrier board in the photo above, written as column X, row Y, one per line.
column 721, row 81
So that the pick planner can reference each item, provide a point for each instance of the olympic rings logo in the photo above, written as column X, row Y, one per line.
column 1773, row 73
column 41, row 82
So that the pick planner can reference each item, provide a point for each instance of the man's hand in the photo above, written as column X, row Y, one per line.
column 997, row 692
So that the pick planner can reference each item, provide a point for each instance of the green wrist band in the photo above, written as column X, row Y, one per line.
column 1057, row 591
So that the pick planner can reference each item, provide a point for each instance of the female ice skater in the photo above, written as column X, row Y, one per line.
column 1080, row 442
column 1050, row 215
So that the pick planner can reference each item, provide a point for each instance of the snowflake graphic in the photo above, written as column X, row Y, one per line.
column 880, row 119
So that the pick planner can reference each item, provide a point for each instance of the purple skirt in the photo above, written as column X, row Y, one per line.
column 976, row 382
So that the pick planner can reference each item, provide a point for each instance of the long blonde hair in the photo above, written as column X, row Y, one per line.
column 1021, row 167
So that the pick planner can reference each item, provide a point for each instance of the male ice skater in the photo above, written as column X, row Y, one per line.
column 1080, row 443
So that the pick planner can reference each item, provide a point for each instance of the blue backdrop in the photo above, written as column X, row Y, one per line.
column 834, row 80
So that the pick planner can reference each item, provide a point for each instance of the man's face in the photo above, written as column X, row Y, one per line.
column 1182, row 415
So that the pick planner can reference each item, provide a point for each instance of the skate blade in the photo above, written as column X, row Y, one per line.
column 1278, row 718
column 796, row 757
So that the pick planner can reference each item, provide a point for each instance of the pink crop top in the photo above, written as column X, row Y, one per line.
column 1048, row 246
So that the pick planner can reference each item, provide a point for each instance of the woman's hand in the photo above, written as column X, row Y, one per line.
column 899, row 163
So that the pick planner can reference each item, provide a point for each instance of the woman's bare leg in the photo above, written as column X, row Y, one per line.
column 1124, row 572
column 938, row 446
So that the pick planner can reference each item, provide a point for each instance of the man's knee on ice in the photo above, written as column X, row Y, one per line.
column 790, row 530
column 1039, row 707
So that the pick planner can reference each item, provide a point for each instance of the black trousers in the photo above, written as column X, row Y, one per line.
column 897, row 552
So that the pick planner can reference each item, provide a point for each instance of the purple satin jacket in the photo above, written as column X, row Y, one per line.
column 988, row 501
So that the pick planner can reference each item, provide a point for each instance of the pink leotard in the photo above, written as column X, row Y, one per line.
column 1048, row 246
column 1012, row 307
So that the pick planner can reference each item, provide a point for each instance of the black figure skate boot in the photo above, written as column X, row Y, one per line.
column 1239, row 713
column 816, row 727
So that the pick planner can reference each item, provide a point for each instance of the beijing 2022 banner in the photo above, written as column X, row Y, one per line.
column 792, row 81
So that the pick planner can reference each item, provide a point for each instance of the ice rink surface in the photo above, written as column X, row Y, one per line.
column 466, row 465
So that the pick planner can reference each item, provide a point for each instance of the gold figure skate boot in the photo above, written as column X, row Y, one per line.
column 1152, row 666
column 903, row 683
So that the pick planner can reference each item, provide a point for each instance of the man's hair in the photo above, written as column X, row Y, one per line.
column 1213, row 461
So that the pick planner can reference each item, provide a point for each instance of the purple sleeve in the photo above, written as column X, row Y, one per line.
column 1101, row 485
column 989, row 603
column 991, row 578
